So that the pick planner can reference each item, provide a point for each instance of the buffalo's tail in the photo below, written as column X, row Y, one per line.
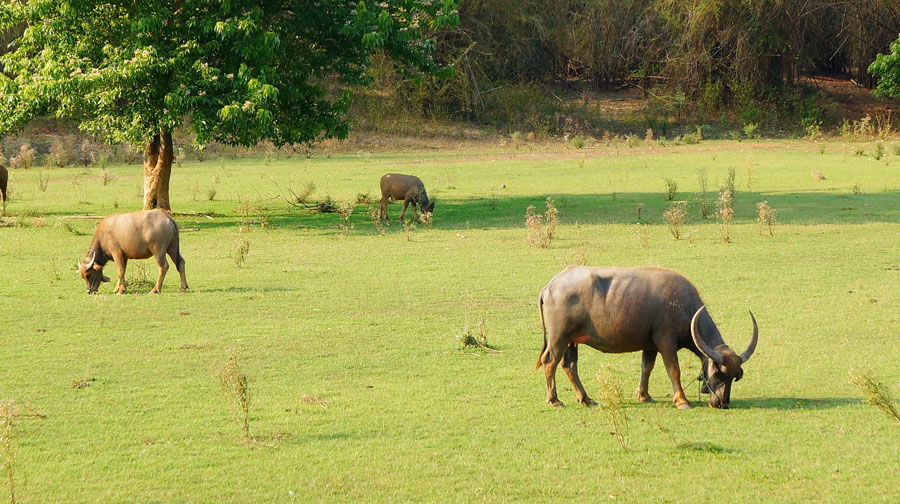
column 179, row 261
column 540, row 361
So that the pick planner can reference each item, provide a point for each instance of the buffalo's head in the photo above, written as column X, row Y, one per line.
column 92, row 273
column 721, row 365
column 429, row 207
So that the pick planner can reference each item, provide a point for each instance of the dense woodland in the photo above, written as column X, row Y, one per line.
column 707, row 56
column 530, row 65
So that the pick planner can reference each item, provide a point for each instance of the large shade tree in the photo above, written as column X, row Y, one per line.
column 237, row 72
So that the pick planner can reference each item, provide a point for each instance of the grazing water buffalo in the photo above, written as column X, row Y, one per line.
column 649, row 310
column 408, row 188
column 135, row 235
column 4, row 178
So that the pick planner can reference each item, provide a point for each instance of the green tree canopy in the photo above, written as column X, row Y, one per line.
column 887, row 68
column 238, row 72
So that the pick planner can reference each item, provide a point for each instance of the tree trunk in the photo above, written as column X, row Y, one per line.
column 157, row 170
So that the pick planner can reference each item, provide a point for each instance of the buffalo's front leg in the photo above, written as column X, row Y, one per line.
column 570, row 366
column 670, row 359
column 648, row 359
column 163, row 268
column 403, row 212
column 121, row 263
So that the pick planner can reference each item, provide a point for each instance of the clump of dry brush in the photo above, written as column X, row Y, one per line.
column 676, row 216
column 541, row 228
column 236, row 388
column 874, row 392
column 766, row 215
column 612, row 397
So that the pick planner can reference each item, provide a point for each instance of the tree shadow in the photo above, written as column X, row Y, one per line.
column 795, row 403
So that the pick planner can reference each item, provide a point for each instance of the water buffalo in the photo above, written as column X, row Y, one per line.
column 651, row 310
column 135, row 235
column 4, row 178
column 408, row 188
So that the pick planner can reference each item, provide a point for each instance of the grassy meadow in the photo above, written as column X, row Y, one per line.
column 359, row 388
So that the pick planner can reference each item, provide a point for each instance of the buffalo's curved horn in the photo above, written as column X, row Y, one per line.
column 709, row 352
column 91, row 262
column 752, row 346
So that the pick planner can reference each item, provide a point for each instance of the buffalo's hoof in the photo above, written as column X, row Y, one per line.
column 684, row 405
column 587, row 401
column 154, row 291
column 646, row 399
column 557, row 404
column 184, row 289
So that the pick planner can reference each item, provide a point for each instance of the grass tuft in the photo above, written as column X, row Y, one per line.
column 236, row 388
column 874, row 392
column 613, row 399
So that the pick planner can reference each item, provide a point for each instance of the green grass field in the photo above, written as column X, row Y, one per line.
column 368, row 323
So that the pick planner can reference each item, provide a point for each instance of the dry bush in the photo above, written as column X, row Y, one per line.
column 541, row 228
column 613, row 399
column 703, row 198
column 42, row 181
column 671, row 189
column 408, row 227
column 766, row 215
column 9, row 410
column 427, row 219
column 728, row 183
column 26, row 155
column 642, row 235
column 58, row 152
column 373, row 214
column 241, row 251
column 675, row 217
column 874, row 392
column 105, row 177
column 345, row 210
column 640, row 209
column 246, row 211
column 725, row 213
column 236, row 388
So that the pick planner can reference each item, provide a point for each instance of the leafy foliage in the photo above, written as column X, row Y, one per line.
column 238, row 71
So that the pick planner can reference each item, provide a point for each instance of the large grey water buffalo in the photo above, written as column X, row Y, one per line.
column 135, row 235
column 649, row 310
column 4, row 178
column 406, row 188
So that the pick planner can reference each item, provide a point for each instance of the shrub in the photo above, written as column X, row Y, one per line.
column 751, row 129
column 541, row 229
column 345, row 210
column 874, row 392
column 241, row 251
column 373, row 214
column 236, row 388
column 703, row 198
column 675, row 217
column 671, row 189
column 578, row 141
column 42, row 182
column 612, row 398
column 766, row 215
column 879, row 151
column 725, row 212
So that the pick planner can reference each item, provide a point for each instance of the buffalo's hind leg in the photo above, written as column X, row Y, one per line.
column 121, row 263
column 570, row 366
column 648, row 359
column 163, row 268
column 179, row 265
column 550, row 359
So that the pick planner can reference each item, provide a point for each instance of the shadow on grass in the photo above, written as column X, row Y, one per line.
column 811, row 208
column 795, row 403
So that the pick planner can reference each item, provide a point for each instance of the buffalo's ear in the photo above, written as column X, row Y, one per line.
column 104, row 278
column 739, row 376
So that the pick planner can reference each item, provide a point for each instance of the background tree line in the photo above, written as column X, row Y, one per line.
column 519, row 56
